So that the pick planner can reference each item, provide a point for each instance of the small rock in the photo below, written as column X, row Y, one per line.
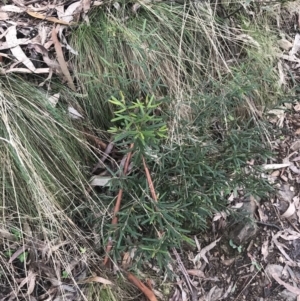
column 285, row 193
column 297, row 108
column 243, row 232
column 295, row 146
column 246, row 228
column 283, row 206
column 275, row 173
column 285, row 44
column 297, row 132
column 287, row 295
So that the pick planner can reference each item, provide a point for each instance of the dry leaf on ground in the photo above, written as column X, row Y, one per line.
column 202, row 253
column 97, row 279
column 16, row 50
column 62, row 62
column 100, row 181
column 274, row 272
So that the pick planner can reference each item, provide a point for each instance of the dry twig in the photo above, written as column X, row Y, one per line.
column 148, row 293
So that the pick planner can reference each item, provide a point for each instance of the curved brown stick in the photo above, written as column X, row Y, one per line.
column 142, row 287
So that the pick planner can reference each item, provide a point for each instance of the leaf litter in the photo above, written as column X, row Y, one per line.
column 34, row 21
column 265, row 265
column 41, row 274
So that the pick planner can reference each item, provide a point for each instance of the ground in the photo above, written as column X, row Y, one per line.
column 270, row 246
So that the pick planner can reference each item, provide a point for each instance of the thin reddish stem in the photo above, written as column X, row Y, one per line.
column 117, row 206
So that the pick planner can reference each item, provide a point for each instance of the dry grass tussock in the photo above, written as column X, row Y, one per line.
column 43, row 183
column 183, row 52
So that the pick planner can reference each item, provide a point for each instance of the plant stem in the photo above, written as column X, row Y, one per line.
column 117, row 206
column 151, row 186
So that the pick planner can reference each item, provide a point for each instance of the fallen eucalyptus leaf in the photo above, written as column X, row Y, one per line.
column 100, row 181
column 275, row 166
column 97, row 279
column 61, row 59
column 290, row 211
column 54, row 99
column 12, row 41
column 202, row 253
column 74, row 114
column 12, row 8
column 44, row 17
column 296, row 45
